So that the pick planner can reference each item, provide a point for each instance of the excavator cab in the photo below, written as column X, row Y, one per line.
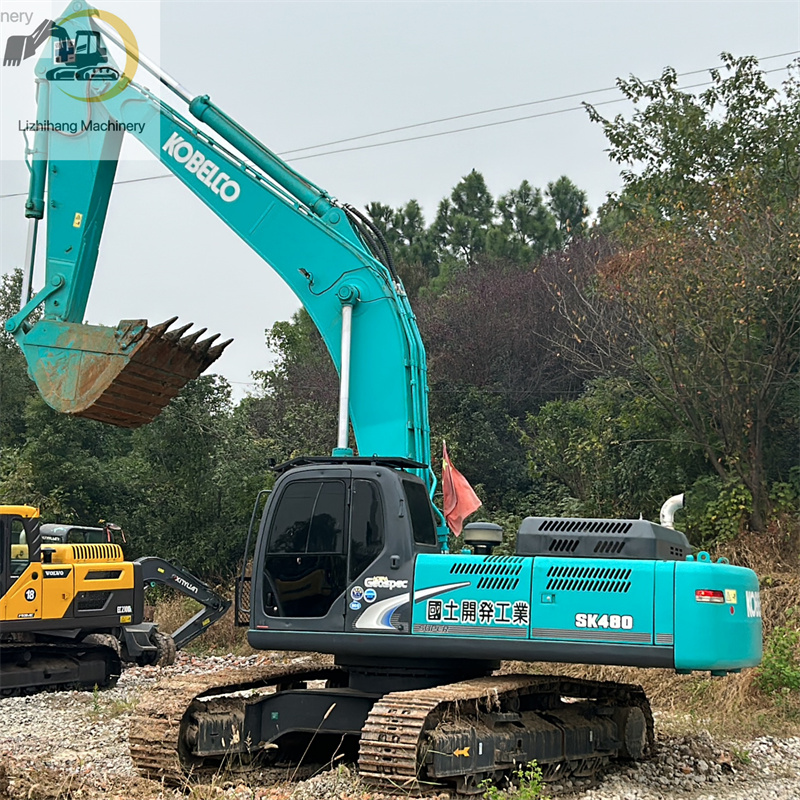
column 17, row 541
column 335, row 528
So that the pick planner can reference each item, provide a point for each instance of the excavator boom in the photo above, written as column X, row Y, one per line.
column 325, row 252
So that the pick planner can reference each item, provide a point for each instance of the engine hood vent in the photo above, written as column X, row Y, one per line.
column 600, row 538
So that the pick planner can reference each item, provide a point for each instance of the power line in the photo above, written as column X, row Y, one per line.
column 499, row 108
column 488, row 124
column 127, row 180
column 455, row 117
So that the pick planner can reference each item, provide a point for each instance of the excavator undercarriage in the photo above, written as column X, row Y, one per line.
column 449, row 735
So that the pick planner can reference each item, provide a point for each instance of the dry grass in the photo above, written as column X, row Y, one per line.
column 220, row 638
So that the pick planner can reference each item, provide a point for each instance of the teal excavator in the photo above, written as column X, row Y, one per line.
column 350, row 555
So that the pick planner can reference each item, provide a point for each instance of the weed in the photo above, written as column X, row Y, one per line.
column 741, row 756
column 96, row 700
column 529, row 785
column 779, row 673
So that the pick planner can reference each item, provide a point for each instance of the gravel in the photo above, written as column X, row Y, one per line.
column 75, row 745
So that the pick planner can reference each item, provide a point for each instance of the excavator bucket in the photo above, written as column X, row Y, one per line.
column 123, row 376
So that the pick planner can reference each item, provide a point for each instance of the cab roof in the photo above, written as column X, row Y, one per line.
column 19, row 511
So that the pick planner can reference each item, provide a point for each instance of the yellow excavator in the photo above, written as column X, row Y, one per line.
column 72, row 607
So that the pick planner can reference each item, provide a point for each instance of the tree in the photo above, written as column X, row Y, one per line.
column 15, row 385
column 702, row 303
column 464, row 220
column 614, row 447
column 679, row 148
column 412, row 244
column 527, row 227
column 189, row 480
column 297, row 411
column 568, row 205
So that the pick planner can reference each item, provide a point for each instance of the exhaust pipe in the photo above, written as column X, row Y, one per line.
column 667, row 514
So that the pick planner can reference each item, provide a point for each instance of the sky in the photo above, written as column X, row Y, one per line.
column 301, row 74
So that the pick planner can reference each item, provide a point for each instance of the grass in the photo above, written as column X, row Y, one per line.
column 223, row 637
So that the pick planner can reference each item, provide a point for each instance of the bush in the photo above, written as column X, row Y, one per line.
column 779, row 673
column 716, row 511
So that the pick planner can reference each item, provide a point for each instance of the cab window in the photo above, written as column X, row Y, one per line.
column 20, row 557
column 310, row 518
column 421, row 513
column 366, row 526
column 306, row 566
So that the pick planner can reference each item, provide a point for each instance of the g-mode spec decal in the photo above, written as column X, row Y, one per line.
column 30, row 595
column 753, row 600
column 382, row 582
column 377, row 616
column 614, row 622
column 481, row 612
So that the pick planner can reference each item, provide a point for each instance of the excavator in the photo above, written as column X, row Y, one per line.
column 350, row 555
column 72, row 607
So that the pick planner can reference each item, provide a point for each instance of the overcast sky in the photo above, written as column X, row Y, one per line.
column 305, row 73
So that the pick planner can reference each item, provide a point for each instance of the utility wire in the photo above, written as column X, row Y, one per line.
column 488, row 124
column 499, row 108
column 455, row 117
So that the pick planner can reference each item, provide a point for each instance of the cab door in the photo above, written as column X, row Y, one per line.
column 21, row 577
column 305, row 562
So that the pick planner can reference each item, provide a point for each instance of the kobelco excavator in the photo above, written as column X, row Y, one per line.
column 350, row 556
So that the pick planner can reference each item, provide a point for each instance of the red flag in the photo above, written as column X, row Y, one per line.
column 459, row 498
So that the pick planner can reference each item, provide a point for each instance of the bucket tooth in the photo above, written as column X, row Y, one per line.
column 216, row 351
column 187, row 343
column 201, row 348
column 173, row 336
column 157, row 330
column 123, row 376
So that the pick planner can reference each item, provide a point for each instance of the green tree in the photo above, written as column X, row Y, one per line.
column 296, row 411
column 615, row 448
column 413, row 245
column 678, row 147
column 15, row 385
column 702, row 303
column 189, row 480
column 568, row 205
column 527, row 230
column 464, row 219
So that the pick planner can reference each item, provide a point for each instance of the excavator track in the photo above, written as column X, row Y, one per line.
column 412, row 741
column 30, row 667
column 404, row 728
column 160, row 724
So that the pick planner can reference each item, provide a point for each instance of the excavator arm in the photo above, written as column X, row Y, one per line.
column 324, row 251
column 158, row 571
